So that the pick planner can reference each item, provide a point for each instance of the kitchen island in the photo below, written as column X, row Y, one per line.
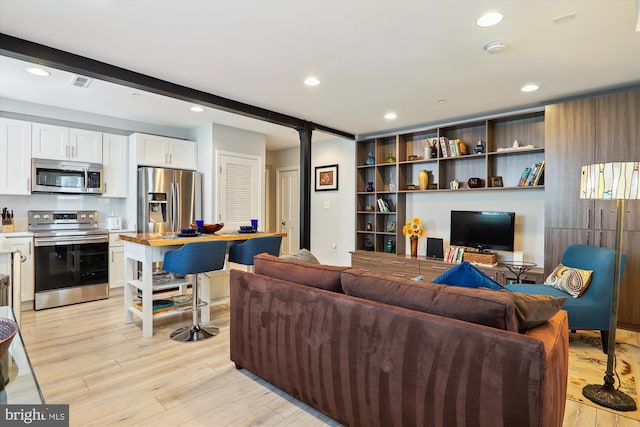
column 148, row 248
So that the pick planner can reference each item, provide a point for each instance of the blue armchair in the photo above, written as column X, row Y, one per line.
column 591, row 310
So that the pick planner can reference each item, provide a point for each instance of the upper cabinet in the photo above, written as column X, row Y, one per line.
column 161, row 151
column 114, row 163
column 62, row 143
column 15, row 156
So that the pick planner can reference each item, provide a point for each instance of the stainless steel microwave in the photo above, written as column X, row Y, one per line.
column 58, row 176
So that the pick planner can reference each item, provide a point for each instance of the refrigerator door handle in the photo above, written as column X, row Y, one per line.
column 173, row 206
column 178, row 213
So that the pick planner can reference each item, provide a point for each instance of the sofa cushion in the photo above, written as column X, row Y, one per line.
column 481, row 306
column 468, row 276
column 303, row 255
column 316, row 275
column 534, row 310
column 573, row 281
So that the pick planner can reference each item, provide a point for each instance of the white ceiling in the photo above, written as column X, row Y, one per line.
column 371, row 56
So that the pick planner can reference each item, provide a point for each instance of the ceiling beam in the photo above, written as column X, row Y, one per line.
column 44, row 55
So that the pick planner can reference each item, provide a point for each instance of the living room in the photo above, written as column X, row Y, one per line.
column 333, row 227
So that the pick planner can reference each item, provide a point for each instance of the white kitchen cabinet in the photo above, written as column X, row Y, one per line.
column 25, row 246
column 182, row 154
column 63, row 143
column 116, row 259
column 15, row 157
column 85, row 145
column 160, row 151
column 114, row 163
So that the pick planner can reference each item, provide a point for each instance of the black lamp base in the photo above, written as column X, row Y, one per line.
column 606, row 395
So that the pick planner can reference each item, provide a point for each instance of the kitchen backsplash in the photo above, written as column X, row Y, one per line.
column 22, row 204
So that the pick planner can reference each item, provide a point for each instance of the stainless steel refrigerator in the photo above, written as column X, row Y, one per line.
column 168, row 199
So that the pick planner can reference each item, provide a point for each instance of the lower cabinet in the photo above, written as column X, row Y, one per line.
column 366, row 261
column 116, row 260
column 27, row 284
column 407, row 267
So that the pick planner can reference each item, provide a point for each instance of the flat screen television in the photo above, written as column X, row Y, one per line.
column 483, row 230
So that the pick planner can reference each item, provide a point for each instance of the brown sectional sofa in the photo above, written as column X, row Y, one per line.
column 365, row 362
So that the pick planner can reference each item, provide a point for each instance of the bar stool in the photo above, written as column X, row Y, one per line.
column 194, row 258
column 243, row 253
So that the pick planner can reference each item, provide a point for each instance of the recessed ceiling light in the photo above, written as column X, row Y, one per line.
column 531, row 87
column 40, row 72
column 311, row 81
column 391, row 115
column 197, row 109
column 489, row 19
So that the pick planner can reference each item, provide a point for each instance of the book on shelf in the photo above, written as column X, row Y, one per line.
column 532, row 174
column 454, row 255
column 524, row 176
column 539, row 178
column 444, row 146
column 383, row 206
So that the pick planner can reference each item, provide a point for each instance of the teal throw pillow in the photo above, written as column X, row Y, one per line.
column 467, row 276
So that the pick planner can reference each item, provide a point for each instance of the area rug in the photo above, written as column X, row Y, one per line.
column 587, row 365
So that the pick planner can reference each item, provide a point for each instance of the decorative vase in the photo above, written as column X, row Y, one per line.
column 414, row 247
column 423, row 180
column 370, row 186
column 389, row 246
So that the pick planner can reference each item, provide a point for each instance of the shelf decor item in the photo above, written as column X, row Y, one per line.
column 327, row 178
column 371, row 160
column 611, row 181
column 413, row 230
column 390, row 158
column 423, row 180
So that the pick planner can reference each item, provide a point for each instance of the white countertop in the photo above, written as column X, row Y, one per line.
column 17, row 234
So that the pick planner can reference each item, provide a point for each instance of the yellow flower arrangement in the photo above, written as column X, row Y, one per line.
column 413, row 228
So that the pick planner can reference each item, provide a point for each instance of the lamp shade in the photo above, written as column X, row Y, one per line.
column 610, row 181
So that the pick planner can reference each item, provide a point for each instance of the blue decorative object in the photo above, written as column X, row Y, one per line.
column 467, row 276
column 371, row 160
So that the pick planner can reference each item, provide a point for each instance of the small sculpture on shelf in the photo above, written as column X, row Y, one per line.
column 370, row 160
column 480, row 147
column 370, row 186
column 390, row 158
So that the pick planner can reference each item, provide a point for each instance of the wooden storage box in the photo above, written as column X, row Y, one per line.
column 489, row 259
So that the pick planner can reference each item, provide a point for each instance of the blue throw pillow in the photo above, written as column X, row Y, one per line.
column 467, row 276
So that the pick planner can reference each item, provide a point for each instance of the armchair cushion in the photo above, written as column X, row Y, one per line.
column 573, row 281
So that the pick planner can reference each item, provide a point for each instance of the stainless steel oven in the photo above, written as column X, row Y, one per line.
column 71, row 258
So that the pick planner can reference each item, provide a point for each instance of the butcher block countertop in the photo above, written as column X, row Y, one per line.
column 172, row 239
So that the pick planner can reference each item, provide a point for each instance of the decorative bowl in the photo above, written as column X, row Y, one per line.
column 188, row 230
column 211, row 228
column 8, row 330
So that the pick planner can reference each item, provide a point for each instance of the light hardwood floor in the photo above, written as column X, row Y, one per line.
column 85, row 356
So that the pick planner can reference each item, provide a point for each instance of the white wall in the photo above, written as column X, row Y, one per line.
column 434, row 209
column 333, row 212
column 214, row 138
column 275, row 160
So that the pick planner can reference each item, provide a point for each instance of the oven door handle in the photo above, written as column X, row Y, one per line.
column 71, row 240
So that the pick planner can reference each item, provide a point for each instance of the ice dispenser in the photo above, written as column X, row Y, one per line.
column 157, row 207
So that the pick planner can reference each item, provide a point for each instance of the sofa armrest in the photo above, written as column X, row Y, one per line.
column 554, row 334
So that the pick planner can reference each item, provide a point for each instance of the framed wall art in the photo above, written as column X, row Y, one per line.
column 326, row 178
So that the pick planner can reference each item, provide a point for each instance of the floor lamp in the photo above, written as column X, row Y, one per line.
column 611, row 181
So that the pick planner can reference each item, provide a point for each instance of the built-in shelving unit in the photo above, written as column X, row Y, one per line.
column 388, row 169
